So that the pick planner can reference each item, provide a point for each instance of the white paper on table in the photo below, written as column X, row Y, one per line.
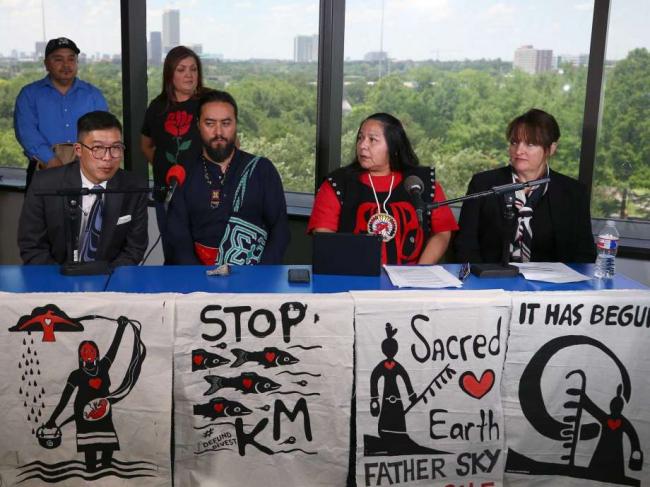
column 430, row 276
column 555, row 272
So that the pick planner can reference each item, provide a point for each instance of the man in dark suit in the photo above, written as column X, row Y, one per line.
column 111, row 227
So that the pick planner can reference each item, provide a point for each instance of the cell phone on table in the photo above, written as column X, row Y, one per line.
column 299, row 276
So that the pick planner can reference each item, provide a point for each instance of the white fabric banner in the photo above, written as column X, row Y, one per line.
column 262, row 389
column 428, row 368
column 85, row 390
column 576, row 388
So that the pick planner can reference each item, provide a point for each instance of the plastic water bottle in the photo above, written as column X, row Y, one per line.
column 607, row 245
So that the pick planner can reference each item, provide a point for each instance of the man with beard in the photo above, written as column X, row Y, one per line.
column 47, row 110
column 231, row 208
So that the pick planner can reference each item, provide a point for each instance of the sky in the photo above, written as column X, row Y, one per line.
column 413, row 29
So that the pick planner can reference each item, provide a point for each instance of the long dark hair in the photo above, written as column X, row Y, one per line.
column 400, row 151
column 173, row 58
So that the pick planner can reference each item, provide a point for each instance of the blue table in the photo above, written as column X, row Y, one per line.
column 273, row 279
column 46, row 278
column 256, row 279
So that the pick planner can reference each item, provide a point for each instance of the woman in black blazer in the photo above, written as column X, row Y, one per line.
column 553, row 222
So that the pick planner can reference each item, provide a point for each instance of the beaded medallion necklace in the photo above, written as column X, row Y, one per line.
column 215, row 194
column 382, row 223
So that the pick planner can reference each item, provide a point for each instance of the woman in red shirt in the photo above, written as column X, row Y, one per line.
column 368, row 196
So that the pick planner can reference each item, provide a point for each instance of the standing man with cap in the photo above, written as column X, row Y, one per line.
column 47, row 110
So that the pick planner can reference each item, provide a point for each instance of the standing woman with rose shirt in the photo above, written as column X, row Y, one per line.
column 169, row 133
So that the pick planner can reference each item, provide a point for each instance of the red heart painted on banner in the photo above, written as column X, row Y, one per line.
column 269, row 356
column 389, row 364
column 218, row 407
column 614, row 424
column 198, row 359
column 95, row 382
column 475, row 387
column 247, row 383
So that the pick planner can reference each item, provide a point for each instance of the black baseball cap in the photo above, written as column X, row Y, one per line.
column 60, row 43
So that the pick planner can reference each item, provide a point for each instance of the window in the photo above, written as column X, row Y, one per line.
column 455, row 74
column 622, row 167
column 25, row 28
column 265, row 54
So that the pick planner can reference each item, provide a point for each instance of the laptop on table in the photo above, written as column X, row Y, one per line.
column 351, row 254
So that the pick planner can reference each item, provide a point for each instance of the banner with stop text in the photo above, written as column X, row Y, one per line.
column 576, row 389
column 263, row 389
column 85, row 390
column 428, row 369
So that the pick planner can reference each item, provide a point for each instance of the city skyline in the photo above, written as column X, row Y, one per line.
column 413, row 29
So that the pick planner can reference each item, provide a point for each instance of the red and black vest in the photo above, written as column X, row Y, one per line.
column 358, row 205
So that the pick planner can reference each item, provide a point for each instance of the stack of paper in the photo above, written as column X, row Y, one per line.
column 550, row 272
column 431, row 277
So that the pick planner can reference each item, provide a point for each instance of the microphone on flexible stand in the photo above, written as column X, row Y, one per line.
column 414, row 187
column 175, row 177
column 71, row 201
column 507, row 193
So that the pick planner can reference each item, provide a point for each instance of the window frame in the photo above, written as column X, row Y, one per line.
column 635, row 235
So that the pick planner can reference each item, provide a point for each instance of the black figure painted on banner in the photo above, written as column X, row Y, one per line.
column 393, row 438
column 607, row 463
column 391, row 413
column 92, row 410
column 609, row 458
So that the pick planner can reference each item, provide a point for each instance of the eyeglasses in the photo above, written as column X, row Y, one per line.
column 99, row 151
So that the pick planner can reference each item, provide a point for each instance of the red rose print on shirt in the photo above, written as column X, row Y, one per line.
column 178, row 123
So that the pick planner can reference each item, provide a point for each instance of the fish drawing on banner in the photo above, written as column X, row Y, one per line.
column 269, row 357
column 226, row 429
column 246, row 383
column 93, row 403
column 203, row 360
column 393, row 438
column 219, row 407
column 584, row 420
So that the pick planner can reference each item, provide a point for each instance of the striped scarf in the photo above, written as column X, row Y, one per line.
column 521, row 245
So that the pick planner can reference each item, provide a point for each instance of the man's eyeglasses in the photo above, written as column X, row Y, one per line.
column 99, row 151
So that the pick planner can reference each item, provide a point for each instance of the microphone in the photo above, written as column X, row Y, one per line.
column 507, row 188
column 175, row 177
column 414, row 187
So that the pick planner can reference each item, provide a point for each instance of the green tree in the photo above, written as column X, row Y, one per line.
column 623, row 165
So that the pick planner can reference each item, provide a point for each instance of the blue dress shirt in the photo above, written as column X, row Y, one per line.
column 44, row 117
